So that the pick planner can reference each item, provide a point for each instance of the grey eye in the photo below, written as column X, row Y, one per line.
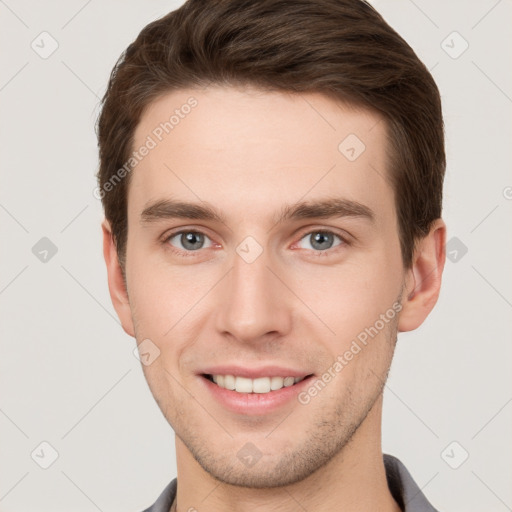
column 189, row 240
column 321, row 240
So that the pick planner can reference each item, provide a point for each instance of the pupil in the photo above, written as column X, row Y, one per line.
column 192, row 239
column 319, row 238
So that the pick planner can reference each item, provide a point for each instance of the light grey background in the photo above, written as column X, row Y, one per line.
column 68, row 375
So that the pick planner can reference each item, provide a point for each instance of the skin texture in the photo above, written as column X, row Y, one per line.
column 248, row 153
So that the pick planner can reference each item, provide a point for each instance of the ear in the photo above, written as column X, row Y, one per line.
column 116, row 286
column 423, row 279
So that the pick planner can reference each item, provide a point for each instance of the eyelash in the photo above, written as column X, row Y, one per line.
column 327, row 252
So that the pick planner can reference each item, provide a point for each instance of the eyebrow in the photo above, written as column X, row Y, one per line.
column 164, row 209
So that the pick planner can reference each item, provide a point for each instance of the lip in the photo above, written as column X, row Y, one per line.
column 255, row 404
column 254, row 373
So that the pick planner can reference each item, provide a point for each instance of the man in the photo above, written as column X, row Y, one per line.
column 272, row 175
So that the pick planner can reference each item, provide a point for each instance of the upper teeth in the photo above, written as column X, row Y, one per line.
column 259, row 385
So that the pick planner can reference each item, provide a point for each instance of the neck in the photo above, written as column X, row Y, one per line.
column 353, row 480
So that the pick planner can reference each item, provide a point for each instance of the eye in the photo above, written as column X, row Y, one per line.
column 322, row 241
column 188, row 240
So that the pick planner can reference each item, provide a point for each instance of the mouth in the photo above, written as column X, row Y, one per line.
column 254, row 391
column 260, row 385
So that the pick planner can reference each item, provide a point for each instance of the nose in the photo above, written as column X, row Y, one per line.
column 254, row 303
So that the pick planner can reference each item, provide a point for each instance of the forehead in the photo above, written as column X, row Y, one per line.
column 247, row 149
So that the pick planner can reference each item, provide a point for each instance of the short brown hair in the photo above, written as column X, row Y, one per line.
column 341, row 48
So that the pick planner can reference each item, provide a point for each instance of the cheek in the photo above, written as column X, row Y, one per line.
column 159, row 293
column 151, row 306
column 167, row 304
column 363, row 359
column 351, row 297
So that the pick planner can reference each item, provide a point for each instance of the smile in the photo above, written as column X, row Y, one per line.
column 259, row 385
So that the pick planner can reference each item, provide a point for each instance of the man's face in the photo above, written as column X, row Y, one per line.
column 251, row 296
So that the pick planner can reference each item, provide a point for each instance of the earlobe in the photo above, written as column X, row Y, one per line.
column 423, row 282
column 116, row 285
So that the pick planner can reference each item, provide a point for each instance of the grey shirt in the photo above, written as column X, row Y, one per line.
column 404, row 489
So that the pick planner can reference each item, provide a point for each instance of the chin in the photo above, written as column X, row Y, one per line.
column 267, row 471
